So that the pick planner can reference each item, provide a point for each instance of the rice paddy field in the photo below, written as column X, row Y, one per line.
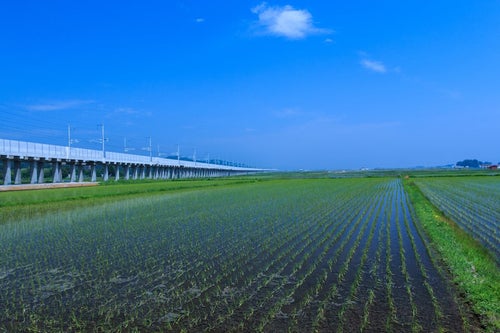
column 269, row 255
column 473, row 203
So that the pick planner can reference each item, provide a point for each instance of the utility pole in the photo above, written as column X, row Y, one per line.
column 178, row 155
column 194, row 157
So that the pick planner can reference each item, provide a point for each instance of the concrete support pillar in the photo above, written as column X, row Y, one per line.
column 143, row 172
column 105, row 176
column 135, row 172
column 80, row 173
column 117, row 172
column 56, row 174
column 93, row 172
column 7, row 172
column 17, row 172
column 41, row 172
column 127, row 171
column 72, row 176
column 33, row 172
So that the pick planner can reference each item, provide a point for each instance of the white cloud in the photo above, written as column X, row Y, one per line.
column 286, row 21
column 200, row 20
column 375, row 66
column 57, row 105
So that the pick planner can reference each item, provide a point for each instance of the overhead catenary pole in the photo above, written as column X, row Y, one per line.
column 69, row 136
column 178, row 155
column 102, row 141
column 70, row 140
column 125, row 147
column 150, row 150
column 68, row 152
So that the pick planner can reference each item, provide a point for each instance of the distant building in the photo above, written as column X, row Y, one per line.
column 493, row 167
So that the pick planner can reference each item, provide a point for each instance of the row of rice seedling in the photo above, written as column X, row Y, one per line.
column 472, row 202
column 324, row 266
column 296, row 267
column 391, row 292
column 297, row 255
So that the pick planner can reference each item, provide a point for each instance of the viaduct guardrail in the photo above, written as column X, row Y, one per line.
column 78, row 162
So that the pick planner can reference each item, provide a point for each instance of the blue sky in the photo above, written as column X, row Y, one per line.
column 278, row 84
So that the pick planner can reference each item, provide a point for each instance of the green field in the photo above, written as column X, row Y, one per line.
column 272, row 254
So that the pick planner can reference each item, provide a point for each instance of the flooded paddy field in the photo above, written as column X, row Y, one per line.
column 302, row 255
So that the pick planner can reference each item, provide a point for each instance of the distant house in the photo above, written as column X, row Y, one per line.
column 493, row 167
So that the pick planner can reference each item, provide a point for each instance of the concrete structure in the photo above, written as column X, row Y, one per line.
column 78, row 162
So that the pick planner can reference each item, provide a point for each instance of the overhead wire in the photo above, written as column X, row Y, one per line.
column 34, row 126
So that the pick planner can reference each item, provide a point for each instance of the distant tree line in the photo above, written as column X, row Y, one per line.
column 472, row 164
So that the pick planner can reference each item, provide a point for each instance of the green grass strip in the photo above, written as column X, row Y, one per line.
column 473, row 268
column 15, row 205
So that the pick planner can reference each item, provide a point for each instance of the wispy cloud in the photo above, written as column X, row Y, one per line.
column 58, row 105
column 199, row 20
column 127, row 113
column 286, row 21
column 288, row 113
column 374, row 66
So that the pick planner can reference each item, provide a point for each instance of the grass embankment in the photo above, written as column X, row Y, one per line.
column 24, row 204
column 472, row 267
